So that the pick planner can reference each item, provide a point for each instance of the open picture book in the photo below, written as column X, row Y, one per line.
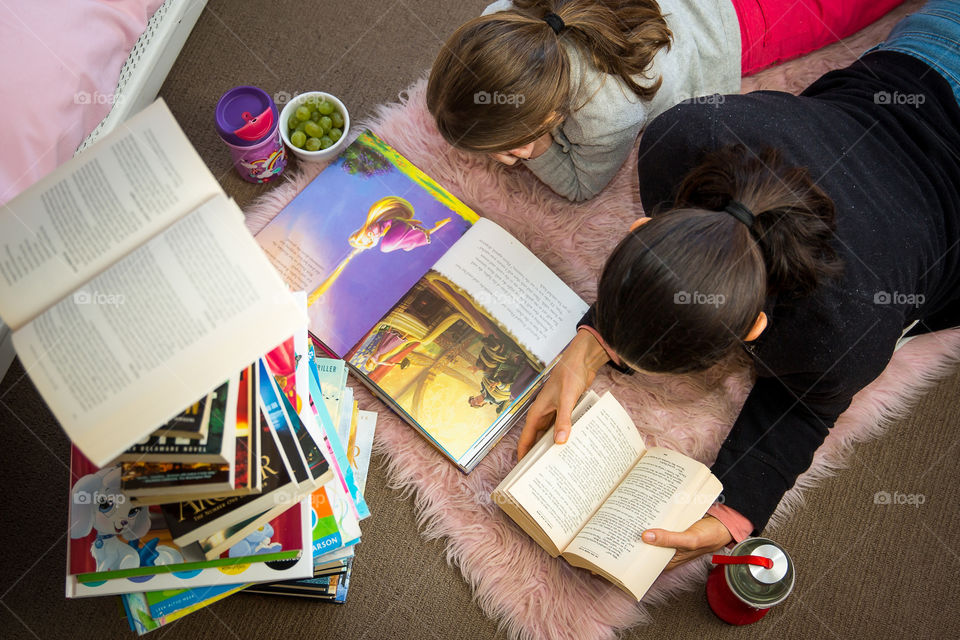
column 590, row 499
column 442, row 314
column 132, row 286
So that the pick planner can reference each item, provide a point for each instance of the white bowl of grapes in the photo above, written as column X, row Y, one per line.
column 314, row 125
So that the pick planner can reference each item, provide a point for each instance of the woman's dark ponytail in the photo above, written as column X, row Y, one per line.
column 794, row 218
column 681, row 291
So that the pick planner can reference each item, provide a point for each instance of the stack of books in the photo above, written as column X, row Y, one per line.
column 181, row 520
column 206, row 459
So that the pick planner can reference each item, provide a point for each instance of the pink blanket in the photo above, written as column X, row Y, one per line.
column 513, row 580
column 62, row 61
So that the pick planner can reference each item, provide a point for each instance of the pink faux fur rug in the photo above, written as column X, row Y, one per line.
column 514, row 581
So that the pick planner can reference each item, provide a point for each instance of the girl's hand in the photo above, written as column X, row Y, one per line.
column 505, row 157
column 705, row 536
column 570, row 378
column 528, row 151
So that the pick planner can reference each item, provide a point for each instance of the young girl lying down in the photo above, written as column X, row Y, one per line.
column 565, row 86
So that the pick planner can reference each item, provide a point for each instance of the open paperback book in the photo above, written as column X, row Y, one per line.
column 445, row 316
column 133, row 287
column 590, row 499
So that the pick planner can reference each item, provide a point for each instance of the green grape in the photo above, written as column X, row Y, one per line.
column 313, row 144
column 335, row 134
column 303, row 113
column 325, row 142
column 337, row 118
column 292, row 122
column 297, row 138
column 327, row 123
column 312, row 129
column 312, row 101
column 301, row 126
column 315, row 115
column 325, row 108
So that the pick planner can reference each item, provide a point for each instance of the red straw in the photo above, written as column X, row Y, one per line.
column 766, row 563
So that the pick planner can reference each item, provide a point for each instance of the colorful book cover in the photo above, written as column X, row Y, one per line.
column 240, row 570
column 112, row 539
column 361, row 446
column 192, row 520
column 332, row 378
column 272, row 407
column 142, row 622
column 337, row 449
column 167, row 601
column 369, row 212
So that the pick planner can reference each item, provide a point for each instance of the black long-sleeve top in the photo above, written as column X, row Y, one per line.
column 882, row 139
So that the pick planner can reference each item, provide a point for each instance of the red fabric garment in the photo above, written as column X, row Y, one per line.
column 772, row 31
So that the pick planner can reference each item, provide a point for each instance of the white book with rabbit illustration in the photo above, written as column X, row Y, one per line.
column 118, row 547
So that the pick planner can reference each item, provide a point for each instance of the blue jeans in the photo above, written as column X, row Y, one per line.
column 933, row 36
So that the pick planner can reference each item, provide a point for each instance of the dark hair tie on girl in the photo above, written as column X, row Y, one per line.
column 555, row 22
column 739, row 211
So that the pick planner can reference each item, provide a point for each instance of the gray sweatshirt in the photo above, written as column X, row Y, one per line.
column 606, row 116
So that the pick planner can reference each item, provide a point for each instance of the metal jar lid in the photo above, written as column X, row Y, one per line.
column 758, row 586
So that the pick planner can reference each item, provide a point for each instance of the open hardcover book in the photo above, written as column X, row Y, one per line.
column 133, row 287
column 590, row 499
column 445, row 316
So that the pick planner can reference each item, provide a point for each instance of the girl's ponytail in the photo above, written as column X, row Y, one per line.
column 622, row 37
column 794, row 218
column 680, row 292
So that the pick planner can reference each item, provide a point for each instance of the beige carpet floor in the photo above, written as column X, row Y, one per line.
column 864, row 570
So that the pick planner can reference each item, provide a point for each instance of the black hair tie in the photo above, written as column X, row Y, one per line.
column 555, row 22
column 740, row 211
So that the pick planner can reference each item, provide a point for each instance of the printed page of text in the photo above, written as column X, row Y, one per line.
column 569, row 481
column 95, row 209
column 661, row 485
column 160, row 328
column 505, row 278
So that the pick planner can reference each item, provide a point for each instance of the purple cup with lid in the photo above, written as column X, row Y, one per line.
column 249, row 124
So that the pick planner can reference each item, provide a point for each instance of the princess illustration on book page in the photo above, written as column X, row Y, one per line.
column 389, row 224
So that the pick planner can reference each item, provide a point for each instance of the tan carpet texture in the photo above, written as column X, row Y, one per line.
column 864, row 570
